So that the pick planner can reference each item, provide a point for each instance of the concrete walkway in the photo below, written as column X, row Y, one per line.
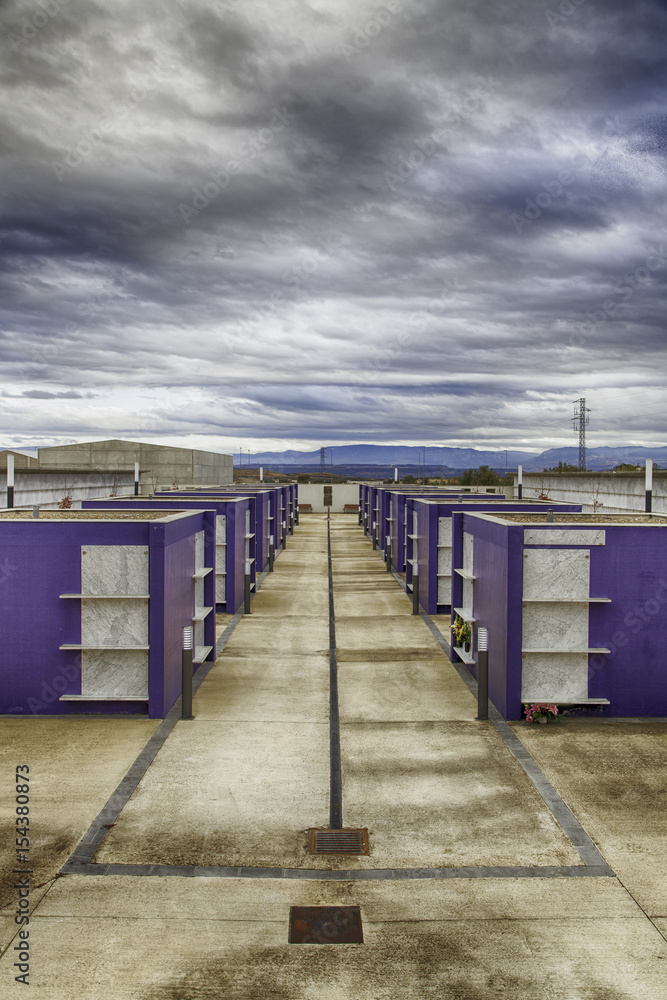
column 237, row 789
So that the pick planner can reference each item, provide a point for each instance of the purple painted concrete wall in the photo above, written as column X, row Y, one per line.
column 40, row 561
column 629, row 569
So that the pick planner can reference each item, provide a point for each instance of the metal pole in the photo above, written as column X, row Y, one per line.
column 136, row 479
column 519, row 489
column 246, row 589
column 186, row 673
column 396, row 475
column 482, row 674
column 10, row 480
column 271, row 550
column 415, row 593
column 648, row 486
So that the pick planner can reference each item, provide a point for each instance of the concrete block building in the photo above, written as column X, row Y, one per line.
column 160, row 466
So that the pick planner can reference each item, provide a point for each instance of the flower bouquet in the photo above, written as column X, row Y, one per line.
column 540, row 713
column 462, row 633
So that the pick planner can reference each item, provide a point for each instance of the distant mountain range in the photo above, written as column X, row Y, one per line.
column 454, row 459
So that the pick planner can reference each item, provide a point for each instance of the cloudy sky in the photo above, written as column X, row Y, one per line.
column 282, row 224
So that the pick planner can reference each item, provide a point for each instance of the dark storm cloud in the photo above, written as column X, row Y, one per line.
column 407, row 220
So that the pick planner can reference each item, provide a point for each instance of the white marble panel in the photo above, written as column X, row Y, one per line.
column 414, row 523
column 468, row 553
column 220, row 558
column 444, row 560
column 120, row 673
column 554, row 677
column 563, row 536
column 114, row 569
column 221, row 529
column 247, row 521
column 444, row 531
column 114, row 623
column 444, row 590
column 553, row 574
column 199, row 594
column 200, row 561
column 220, row 588
column 555, row 626
column 467, row 597
column 199, row 634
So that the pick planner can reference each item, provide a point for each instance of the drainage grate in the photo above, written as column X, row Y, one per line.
column 325, row 925
column 338, row 841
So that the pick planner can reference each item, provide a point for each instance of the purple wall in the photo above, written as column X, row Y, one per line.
column 42, row 560
column 629, row 569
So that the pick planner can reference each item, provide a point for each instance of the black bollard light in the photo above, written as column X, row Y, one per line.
column 388, row 555
column 246, row 589
column 10, row 480
column 186, row 673
column 415, row 593
column 271, row 551
column 482, row 674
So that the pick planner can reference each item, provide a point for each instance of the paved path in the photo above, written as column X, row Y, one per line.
column 473, row 886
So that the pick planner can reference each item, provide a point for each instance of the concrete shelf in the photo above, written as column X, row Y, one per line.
column 200, row 653
column 588, row 649
column 465, row 613
column 78, row 645
column 466, row 657
column 100, row 697
column 109, row 597
column 201, row 613
column 567, row 600
column 465, row 574
column 201, row 573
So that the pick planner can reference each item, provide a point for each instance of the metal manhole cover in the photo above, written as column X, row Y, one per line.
column 338, row 841
column 325, row 925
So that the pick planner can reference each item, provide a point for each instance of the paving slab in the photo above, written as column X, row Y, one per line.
column 75, row 764
column 469, row 940
column 388, row 637
column 414, row 690
column 612, row 775
column 227, row 793
column 288, row 599
column 445, row 794
column 280, row 637
column 265, row 688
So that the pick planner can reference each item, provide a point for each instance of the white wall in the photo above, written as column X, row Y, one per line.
column 342, row 493
column 601, row 492
column 48, row 488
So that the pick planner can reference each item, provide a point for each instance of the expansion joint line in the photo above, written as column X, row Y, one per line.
column 335, row 781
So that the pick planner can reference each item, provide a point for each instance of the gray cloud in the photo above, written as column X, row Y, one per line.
column 287, row 224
